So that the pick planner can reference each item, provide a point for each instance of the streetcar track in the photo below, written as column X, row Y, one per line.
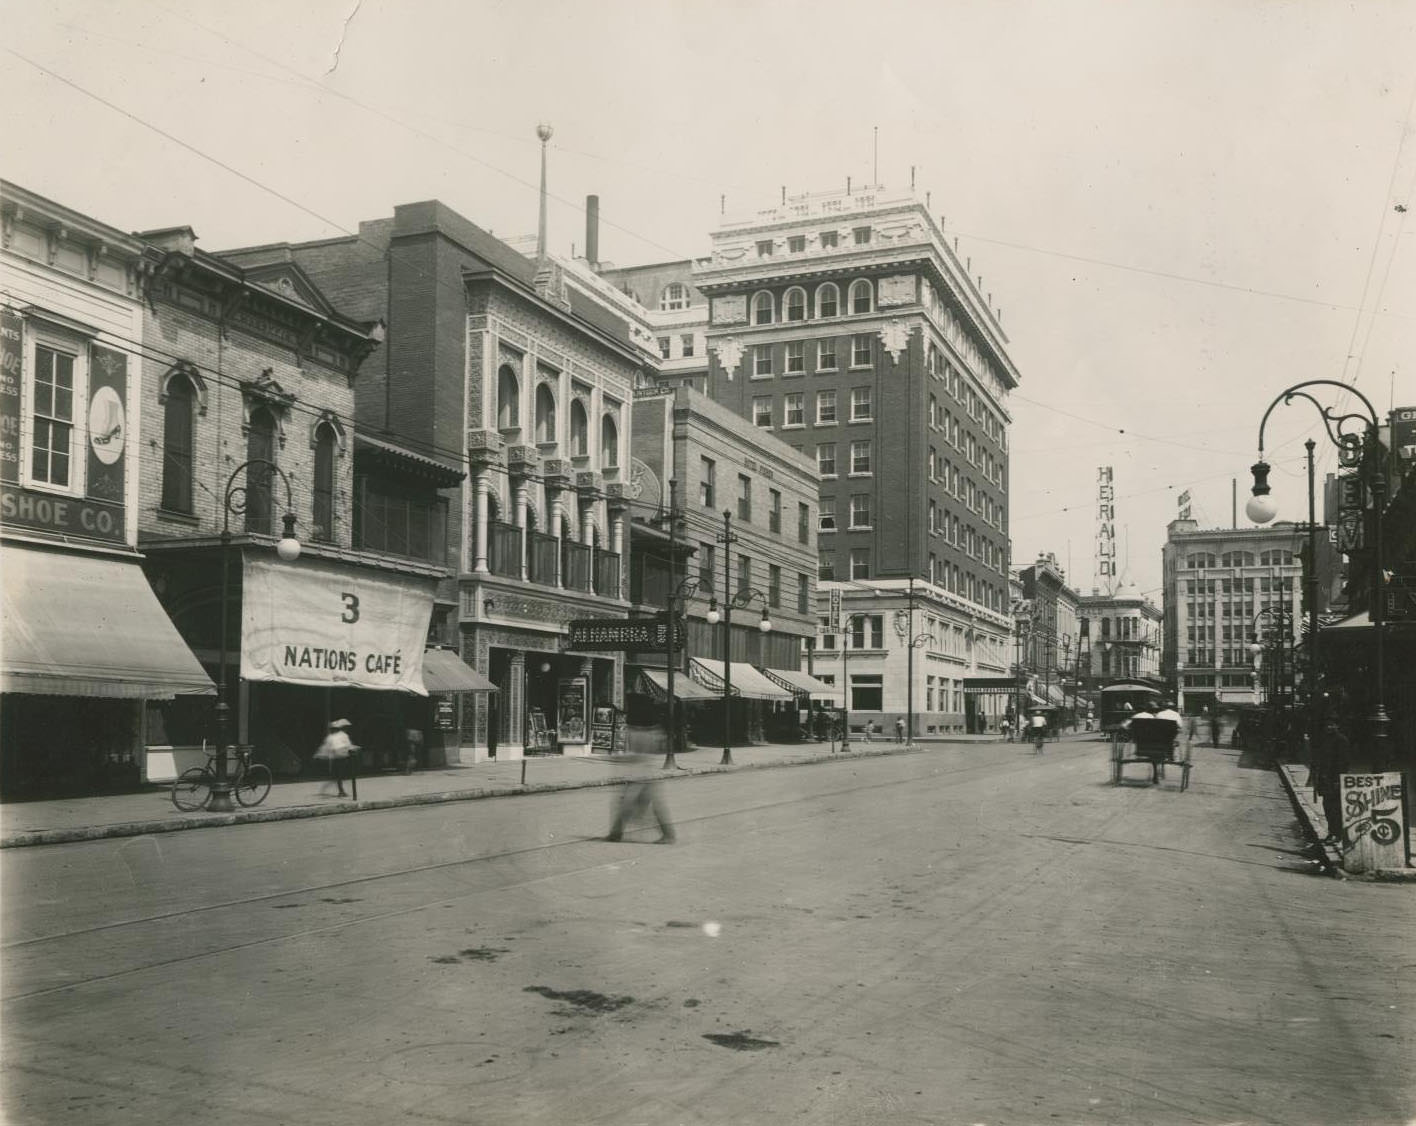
column 989, row 770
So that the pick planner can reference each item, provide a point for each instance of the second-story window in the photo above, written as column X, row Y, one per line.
column 260, row 446
column 323, row 491
column 545, row 414
column 707, row 479
column 774, row 585
column 744, row 497
column 579, row 430
column 52, row 436
column 178, row 446
column 774, row 510
column 803, row 522
column 744, row 573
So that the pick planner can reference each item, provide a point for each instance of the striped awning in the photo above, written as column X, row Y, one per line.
column 747, row 682
column 801, row 683
column 685, row 687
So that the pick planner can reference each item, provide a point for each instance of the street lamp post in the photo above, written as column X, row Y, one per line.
column 1360, row 451
column 235, row 503
column 741, row 598
column 670, row 761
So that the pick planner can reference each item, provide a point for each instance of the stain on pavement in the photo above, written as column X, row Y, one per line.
column 740, row 1041
column 584, row 999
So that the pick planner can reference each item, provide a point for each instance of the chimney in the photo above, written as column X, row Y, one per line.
column 592, row 231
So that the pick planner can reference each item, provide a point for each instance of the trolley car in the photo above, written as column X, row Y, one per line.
column 1121, row 698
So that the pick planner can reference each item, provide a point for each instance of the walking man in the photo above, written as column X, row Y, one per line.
column 899, row 729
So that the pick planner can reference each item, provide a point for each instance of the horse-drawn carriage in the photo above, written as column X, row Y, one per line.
column 1154, row 742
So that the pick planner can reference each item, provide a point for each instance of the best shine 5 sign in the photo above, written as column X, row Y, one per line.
column 325, row 625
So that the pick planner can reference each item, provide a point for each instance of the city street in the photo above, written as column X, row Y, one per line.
column 966, row 934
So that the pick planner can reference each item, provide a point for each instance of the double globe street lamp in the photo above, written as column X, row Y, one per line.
column 251, row 500
column 1359, row 447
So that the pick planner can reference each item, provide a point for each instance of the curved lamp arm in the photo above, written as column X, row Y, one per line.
column 236, row 498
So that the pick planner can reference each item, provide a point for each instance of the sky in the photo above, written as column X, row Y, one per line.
column 1182, row 209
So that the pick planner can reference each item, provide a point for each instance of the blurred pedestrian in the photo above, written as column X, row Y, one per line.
column 1006, row 728
column 335, row 750
column 638, row 797
column 899, row 729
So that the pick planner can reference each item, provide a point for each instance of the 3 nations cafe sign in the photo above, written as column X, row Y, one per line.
column 324, row 625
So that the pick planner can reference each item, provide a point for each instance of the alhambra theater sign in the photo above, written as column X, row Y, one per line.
column 326, row 625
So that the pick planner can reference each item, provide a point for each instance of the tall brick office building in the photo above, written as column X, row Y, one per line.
column 848, row 325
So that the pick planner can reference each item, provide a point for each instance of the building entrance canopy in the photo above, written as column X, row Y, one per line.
column 445, row 671
column 89, row 625
column 685, row 687
column 326, row 624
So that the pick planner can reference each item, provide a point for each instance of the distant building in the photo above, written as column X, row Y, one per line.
column 1047, row 629
column 1224, row 589
column 1121, row 636
column 847, row 324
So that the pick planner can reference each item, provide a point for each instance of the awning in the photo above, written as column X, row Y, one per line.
column 685, row 687
column 86, row 625
column 445, row 671
column 747, row 681
column 800, row 683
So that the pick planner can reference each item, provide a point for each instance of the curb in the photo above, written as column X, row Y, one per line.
column 1331, row 857
column 301, row 812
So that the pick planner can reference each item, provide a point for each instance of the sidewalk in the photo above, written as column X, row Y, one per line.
column 151, row 810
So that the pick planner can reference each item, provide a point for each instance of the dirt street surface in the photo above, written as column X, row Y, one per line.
column 960, row 935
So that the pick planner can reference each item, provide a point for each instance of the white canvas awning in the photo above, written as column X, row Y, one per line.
column 801, row 683
column 747, row 682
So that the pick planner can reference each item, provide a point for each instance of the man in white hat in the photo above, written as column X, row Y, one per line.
column 336, row 748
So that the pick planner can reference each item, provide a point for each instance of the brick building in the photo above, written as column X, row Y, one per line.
column 494, row 362
column 847, row 324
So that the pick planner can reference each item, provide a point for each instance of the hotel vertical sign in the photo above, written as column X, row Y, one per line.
column 1105, row 528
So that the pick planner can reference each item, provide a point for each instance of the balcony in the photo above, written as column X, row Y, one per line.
column 607, row 574
column 523, row 459
column 504, row 549
column 541, row 561
column 575, row 572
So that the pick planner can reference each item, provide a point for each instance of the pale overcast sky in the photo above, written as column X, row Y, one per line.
column 1181, row 208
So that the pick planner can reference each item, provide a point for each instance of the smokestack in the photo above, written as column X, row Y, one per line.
column 848, row 185
column 592, row 231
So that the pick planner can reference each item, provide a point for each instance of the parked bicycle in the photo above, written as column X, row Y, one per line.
column 250, row 782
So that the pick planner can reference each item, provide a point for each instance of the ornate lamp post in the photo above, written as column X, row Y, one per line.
column 235, row 502
column 741, row 598
column 1360, row 451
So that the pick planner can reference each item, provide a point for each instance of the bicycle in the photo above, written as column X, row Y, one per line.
column 250, row 782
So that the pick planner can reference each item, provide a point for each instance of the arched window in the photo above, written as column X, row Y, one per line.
column 579, row 430
column 323, row 529
column 178, row 423
column 828, row 300
column 508, row 398
column 862, row 297
column 762, row 309
column 609, row 442
column 675, row 296
column 260, row 445
column 545, row 414
column 794, row 304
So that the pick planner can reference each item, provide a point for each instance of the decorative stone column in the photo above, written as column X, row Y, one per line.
column 617, row 505
column 514, row 708
column 479, row 547
column 520, row 493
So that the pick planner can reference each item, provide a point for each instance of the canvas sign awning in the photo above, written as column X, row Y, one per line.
column 747, row 682
column 326, row 624
column 89, row 625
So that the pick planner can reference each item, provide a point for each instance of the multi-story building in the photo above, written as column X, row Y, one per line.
column 494, row 361
column 249, row 377
column 1121, row 636
column 86, row 643
column 847, row 324
column 1225, row 589
column 747, row 540
column 1047, row 630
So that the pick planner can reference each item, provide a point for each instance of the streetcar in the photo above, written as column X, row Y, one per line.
column 1120, row 699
